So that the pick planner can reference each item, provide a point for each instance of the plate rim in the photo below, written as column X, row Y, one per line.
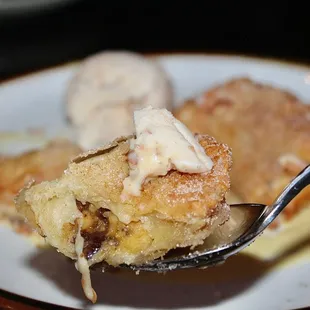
column 173, row 54
column 27, row 301
column 18, row 9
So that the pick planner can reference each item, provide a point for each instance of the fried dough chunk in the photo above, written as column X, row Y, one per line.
column 135, row 199
column 39, row 165
column 268, row 130
column 178, row 209
column 83, row 215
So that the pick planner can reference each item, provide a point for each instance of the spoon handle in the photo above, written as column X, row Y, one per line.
column 290, row 192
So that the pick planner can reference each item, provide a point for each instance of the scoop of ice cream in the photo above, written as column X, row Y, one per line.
column 113, row 121
column 107, row 88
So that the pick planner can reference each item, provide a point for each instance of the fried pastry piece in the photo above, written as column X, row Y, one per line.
column 268, row 130
column 39, row 165
column 107, row 207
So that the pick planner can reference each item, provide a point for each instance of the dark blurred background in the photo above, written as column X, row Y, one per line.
column 41, row 38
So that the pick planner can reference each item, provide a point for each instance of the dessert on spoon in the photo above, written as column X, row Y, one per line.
column 135, row 199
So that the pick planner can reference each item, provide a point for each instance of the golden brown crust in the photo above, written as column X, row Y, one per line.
column 104, row 181
column 263, row 125
column 99, row 151
column 37, row 165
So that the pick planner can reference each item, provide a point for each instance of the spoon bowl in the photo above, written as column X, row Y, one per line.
column 247, row 222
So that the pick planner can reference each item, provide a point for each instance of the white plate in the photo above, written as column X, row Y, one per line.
column 37, row 101
column 27, row 6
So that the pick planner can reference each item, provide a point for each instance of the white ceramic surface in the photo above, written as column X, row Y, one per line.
column 26, row 6
column 37, row 101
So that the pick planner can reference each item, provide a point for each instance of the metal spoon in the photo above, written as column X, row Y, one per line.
column 247, row 222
